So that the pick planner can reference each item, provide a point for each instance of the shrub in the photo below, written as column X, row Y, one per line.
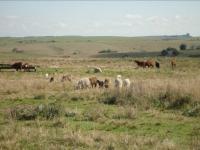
column 107, row 51
column 93, row 114
column 183, row 47
column 49, row 111
column 172, row 100
column 170, row 52
column 27, row 112
column 193, row 112
column 110, row 100
column 23, row 112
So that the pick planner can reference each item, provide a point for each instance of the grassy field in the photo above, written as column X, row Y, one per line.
column 161, row 110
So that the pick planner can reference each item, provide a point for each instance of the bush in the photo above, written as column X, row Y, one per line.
column 172, row 100
column 23, row 112
column 170, row 52
column 27, row 112
column 183, row 47
column 49, row 111
column 193, row 112
column 107, row 51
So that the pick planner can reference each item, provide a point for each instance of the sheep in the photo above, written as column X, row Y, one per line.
column 46, row 75
column 127, row 83
column 83, row 83
column 118, row 82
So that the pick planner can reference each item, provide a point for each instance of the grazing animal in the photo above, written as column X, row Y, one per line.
column 83, row 83
column 28, row 67
column 173, row 63
column 149, row 63
column 66, row 77
column 100, row 83
column 140, row 63
column 106, row 83
column 127, row 83
column 118, row 82
column 17, row 66
column 93, row 81
column 51, row 79
column 157, row 64
column 144, row 64
column 46, row 75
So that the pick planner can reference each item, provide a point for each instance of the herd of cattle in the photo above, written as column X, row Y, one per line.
column 151, row 64
column 92, row 82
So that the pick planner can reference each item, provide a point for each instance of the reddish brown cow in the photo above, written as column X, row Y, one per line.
column 144, row 64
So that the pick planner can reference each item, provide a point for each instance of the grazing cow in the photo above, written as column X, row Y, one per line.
column 51, row 79
column 106, row 83
column 83, row 83
column 140, row 63
column 17, row 66
column 127, row 83
column 93, row 81
column 157, row 64
column 149, row 63
column 118, row 82
column 173, row 63
column 100, row 83
column 28, row 67
column 144, row 64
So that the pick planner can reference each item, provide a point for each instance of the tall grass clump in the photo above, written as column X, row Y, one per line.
column 29, row 112
column 165, row 94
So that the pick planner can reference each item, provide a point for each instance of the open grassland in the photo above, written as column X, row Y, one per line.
column 161, row 110
column 78, row 47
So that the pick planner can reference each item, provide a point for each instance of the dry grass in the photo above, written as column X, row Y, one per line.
column 141, row 117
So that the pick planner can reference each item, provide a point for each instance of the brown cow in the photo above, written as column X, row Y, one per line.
column 149, row 63
column 173, row 63
column 93, row 81
column 17, row 66
column 144, row 64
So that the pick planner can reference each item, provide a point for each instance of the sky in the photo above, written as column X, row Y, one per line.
column 99, row 18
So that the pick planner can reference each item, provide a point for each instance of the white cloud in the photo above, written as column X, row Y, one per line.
column 133, row 16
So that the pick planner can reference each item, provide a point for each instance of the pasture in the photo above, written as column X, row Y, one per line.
column 161, row 109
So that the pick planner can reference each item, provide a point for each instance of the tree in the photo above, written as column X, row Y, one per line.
column 170, row 52
column 183, row 47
